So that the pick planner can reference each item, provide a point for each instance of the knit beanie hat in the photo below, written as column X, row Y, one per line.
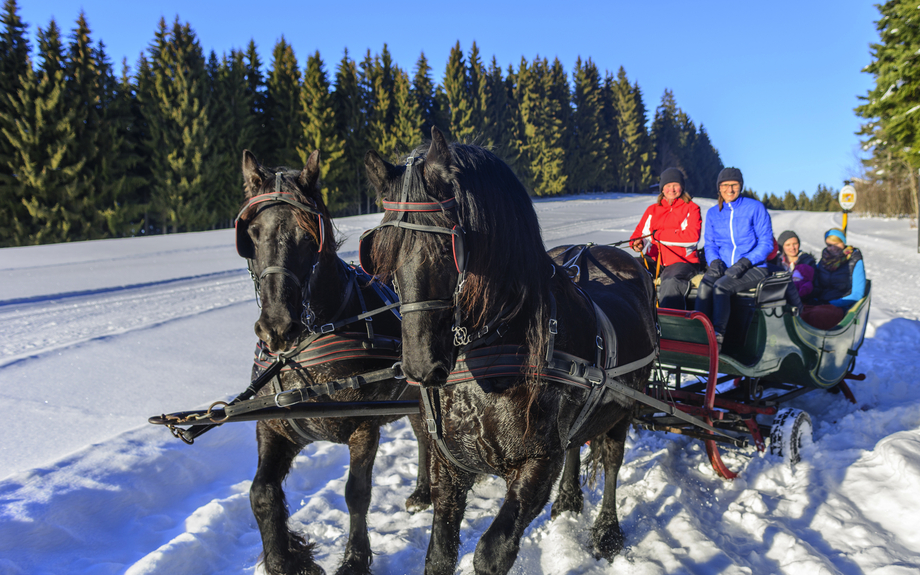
column 729, row 175
column 838, row 233
column 671, row 176
column 787, row 235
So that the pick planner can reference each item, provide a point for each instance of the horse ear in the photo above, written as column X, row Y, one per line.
column 310, row 173
column 378, row 171
column 438, row 152
column 252, row 179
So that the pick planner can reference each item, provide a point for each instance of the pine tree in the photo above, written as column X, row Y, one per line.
column 499, row 112
column 174, row 102
column 587, row 151
column 43, row 136
column 612, row 160
column 424, row 89
column 233, row 128
column 257, row 95
column 479, row 98
column 14, row 65
column 84, row 80
column 706, row 165
column 408, row 123
column 459, row 101
column 636, row 169
column 285, row 132
column 348, row 102
column 320, row 133
column 379, row 79
column 515, row 153
column 666, row 135
column 789, row 201
column 119, row 206
column 824, row 199
column 892, row 132
column 803, row 202
column 544, row 126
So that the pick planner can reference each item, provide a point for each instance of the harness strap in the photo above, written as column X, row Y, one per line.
column 433, row 419
column 434, row 206
column 279, row 270
column 290, row 397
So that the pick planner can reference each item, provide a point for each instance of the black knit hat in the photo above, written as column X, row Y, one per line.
column 787, row 235
column 671, row 176
column 730, row 175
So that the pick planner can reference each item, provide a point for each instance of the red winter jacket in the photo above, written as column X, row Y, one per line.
column 676, row 228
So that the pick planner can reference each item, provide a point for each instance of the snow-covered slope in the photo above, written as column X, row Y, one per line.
column 97, row 336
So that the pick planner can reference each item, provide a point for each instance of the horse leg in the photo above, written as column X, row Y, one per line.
column 528, row 492
column 362, row 446
column 449, row 488
column 607, row 536
column 421, row 497
column 570, row 497
column 284, row 551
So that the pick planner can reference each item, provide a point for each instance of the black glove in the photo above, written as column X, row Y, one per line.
column 716, row 269
column 739, row 268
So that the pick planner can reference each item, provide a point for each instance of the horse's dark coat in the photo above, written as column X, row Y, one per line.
column 516, row 428
column 284, row 236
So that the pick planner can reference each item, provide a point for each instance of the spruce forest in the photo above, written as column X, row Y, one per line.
column 93, row 150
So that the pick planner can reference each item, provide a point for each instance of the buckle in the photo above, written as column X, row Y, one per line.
column 432, row 426
column 553, row 327
column 599, row 341
column 328, row 328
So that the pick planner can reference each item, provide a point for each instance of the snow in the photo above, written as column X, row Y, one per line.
column 97, row 336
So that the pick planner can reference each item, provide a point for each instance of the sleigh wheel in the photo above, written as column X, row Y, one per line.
column 790, row 432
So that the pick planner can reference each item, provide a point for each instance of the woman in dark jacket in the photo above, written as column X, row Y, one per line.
column 738, row 239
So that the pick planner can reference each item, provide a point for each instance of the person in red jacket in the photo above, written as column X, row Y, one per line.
column 673, row 225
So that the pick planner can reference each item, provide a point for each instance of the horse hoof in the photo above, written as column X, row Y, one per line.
column 608, row 541
column 418, row 502
column 573, row 502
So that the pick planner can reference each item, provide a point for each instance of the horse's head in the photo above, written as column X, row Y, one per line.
column 461, row 241
column 421, row 246
column 283, row 229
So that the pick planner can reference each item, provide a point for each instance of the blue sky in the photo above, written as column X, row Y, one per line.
column 774, row 83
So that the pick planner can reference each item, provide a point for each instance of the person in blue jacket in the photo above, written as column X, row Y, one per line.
column 738, row 240
column 840, row 276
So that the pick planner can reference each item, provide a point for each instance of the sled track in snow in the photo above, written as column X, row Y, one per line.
column 50, row 323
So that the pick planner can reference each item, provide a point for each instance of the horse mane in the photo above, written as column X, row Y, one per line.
column 508, row 265
column 305, row 220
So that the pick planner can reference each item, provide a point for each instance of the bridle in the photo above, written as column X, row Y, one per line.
column 458, row 242
column 246, row 249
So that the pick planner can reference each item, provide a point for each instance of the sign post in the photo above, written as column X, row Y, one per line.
column 847, row 199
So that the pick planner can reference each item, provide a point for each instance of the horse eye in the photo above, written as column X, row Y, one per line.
column 254, row 232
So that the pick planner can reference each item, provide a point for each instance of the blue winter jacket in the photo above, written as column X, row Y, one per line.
column 741, row 230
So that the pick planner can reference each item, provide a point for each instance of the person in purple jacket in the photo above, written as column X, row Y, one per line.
column 738, row 239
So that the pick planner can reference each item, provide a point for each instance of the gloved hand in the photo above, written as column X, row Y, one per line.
column 716, row 269
column 738, row 268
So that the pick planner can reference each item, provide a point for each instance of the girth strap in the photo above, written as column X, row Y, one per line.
column 433, row 419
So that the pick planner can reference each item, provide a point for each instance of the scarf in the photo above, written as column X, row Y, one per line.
column 833, row 256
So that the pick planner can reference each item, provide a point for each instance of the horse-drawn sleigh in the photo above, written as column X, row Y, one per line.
column 518, row 356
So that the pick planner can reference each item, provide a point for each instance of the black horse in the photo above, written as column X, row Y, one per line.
column 310, row 296
column 494, row 332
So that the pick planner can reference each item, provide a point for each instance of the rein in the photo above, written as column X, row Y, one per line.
column 321, row 347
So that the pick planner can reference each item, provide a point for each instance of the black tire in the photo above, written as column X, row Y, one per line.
column 791, row 430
